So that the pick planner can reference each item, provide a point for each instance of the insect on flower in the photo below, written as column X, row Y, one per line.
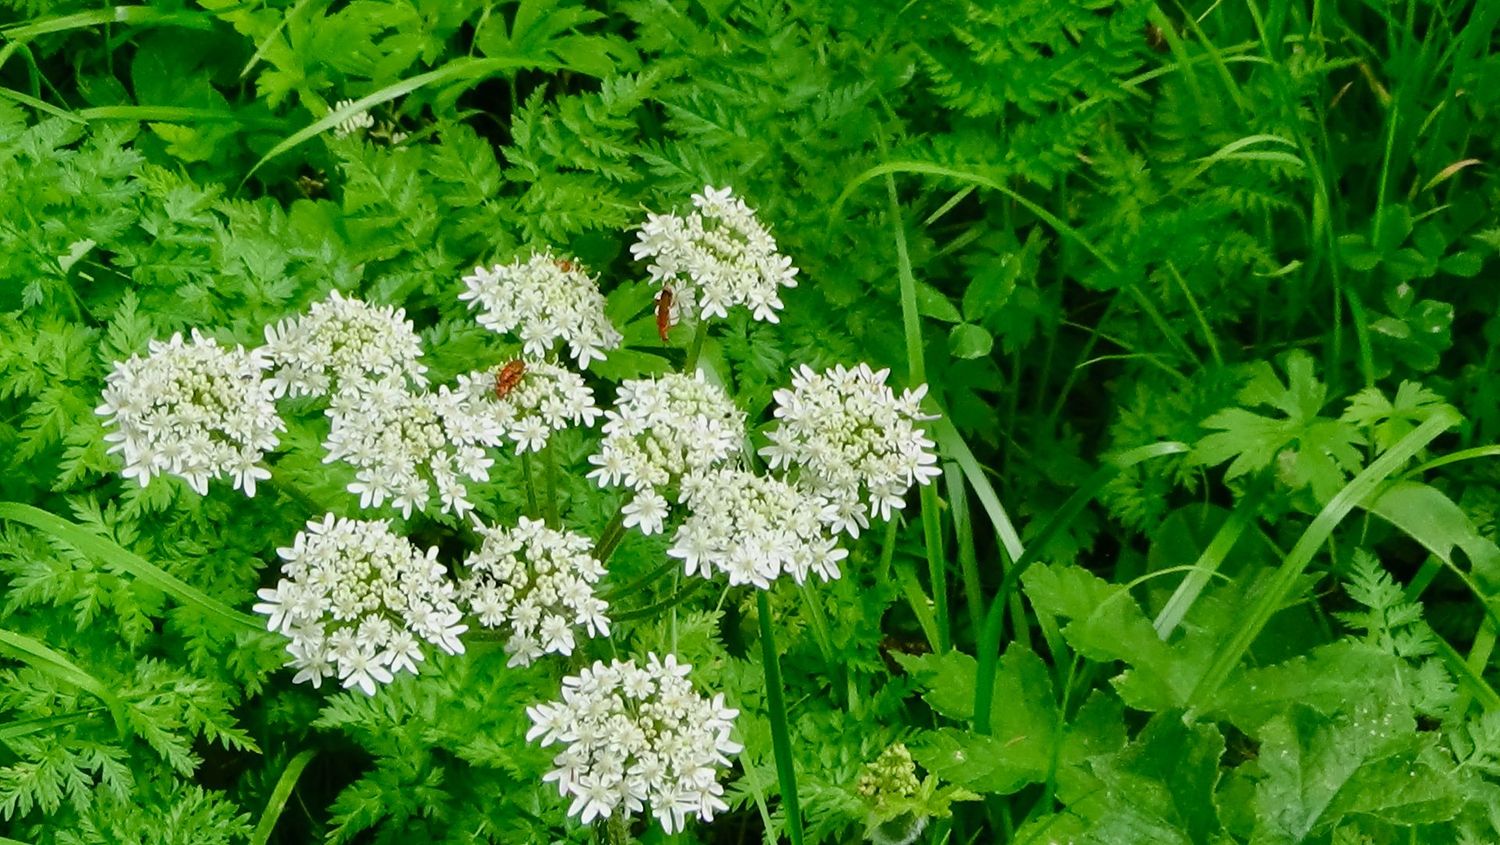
column 664, row 313
column 508, row 377
column 565, row 265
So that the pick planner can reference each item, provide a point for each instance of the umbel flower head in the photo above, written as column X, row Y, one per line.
column 403, row 443
column 716, row 258
column 537, row 584
column 543, row 300
column 544, row 398
column 358, row 602
column 890, row 786
column 852, row 440
column 659, row 431
column 634, row 735
column 754, row 529
column 195, row 410
column 341, row 343
column 354, row 123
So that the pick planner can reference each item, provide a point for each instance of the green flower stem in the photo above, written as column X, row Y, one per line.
column 550, row 471
column 610, row 538
column 667, row 603
column 695, row 349
column 531, row 505
column 643, row 581
column 781, row 740
column 614, row 532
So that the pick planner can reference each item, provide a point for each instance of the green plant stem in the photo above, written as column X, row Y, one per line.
column 614, row 532
column 937, row 565
column 667, row 603
column 620, row 592
column 549, row 469
column 781, row 740
column 911, row 321
column 531, row 505
column 610, row 538
column 695, row 348
column 277, row 802
column 932, row 526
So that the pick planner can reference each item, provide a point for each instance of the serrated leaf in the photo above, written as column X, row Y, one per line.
column 1369, row 760
column 1106, row 624
column 1160, row 788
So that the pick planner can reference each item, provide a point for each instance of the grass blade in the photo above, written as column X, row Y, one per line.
column 1203, row 569
column 44, row 659
column 111, row 552
column 466, row 67
column 953, row 445
column 22, row 727
column 1297, row 560
column 932, row 527
column 781, row 739
column 277, row 802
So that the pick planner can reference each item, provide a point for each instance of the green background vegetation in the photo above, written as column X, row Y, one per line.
column 1205, row 291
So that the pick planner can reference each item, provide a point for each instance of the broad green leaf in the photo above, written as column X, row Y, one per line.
column 1439, row 524
column 1325, row 681
column 1369, row 760
column 1026, row 740
column 1160, row 788
column 967, row 340
column 1105, row 624
column 933, row 303
column 1309, row 450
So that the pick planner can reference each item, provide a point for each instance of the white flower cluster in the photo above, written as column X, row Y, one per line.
column 716, row 258
column 402, row 443
column 659, row 431
column 354, row 123
column 358, row 601
column 340, row 343
column 754, row 528
column 537, row 583
column 635, row 735
column 543, row 300
column 193, row 409
column 852, row 440
column 546, row 398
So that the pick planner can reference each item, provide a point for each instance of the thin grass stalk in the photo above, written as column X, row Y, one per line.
column 932, row 527
column 115, row 555
column 549, row 470
column 1218, row 548
column 781, row 739
column 532, row 508
column 277, row 802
